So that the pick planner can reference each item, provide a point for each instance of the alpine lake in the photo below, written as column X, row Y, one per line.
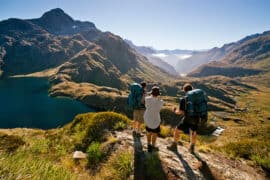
column 24, row 102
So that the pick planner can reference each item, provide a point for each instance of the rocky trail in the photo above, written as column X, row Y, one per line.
column 182, row 164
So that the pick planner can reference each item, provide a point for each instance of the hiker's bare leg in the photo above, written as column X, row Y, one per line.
column 138, row 127
column 135, row 125
column 176, row 134
column 154, row 138
column 193, row 136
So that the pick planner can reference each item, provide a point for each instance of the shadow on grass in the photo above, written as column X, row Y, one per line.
column 139, row 157
column 154, row 168
column 146, row 165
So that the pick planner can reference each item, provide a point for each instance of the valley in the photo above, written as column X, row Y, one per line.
column 64, row 86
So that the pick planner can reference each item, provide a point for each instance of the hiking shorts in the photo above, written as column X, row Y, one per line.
column 156, row 130
column 138, row 115
column 185, row 125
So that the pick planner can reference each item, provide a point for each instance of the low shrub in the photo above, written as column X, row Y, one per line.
column 95, row 154
column 120, row 125
column 122, row 165
column 119, row 166
column 90, row 127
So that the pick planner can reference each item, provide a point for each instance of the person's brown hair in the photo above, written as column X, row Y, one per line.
column 143, row 84
column 155, row 91
column 187, row 87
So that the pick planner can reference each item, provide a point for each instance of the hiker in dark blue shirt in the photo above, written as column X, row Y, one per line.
column 186, row 122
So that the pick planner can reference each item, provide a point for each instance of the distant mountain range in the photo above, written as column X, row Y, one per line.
column 80, row 51
column 164, row 59
column 83, row 53
column 250, row 55
column 247, row 56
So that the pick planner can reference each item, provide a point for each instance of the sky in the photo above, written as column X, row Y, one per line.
column 162, row 24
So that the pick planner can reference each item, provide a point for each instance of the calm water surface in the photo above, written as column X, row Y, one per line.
column 24, row 102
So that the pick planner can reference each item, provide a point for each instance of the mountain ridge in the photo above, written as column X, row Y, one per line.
column 51, row 40
column 245, row 53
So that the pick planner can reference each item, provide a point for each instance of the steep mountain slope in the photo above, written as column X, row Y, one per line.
column 248, row 56
column 251, row 51
column 80, row 51
column 199, row 58
column 29, row 48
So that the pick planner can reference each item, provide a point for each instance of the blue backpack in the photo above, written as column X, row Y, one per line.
column 135, row 96
column 196, row 104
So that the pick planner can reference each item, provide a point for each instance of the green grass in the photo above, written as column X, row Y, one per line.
column 26, row 166
column 120, row 125
column 90, row 127
column 119, row 166
column 257, row 151
column 122, row 165
column 95, row 154
column 40, row 154
column 247, row 138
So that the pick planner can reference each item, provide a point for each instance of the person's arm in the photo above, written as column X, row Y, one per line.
column 178, row 111
column 181, row 109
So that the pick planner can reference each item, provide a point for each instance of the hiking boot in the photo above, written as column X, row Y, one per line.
column 191, row 148
column 149, row 148
column 172, row 147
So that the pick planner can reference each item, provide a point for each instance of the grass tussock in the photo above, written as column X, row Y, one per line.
column 119, row 166
column 26, row 166
column 90, row 127
column 95, row 154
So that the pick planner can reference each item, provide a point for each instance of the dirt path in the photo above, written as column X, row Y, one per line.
column 183, row 165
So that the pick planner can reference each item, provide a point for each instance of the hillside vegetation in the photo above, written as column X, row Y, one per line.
column 39, row 154
column 43, row 154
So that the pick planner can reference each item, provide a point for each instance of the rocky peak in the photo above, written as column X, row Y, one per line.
column 57, row 22
column 57, row 16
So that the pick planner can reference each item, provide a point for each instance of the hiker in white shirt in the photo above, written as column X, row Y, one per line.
column 152, row 117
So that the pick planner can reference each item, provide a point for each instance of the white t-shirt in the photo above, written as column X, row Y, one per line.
column 151, row 116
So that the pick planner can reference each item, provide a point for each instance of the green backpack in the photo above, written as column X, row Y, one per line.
column 135, row 96
column 196, row 104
